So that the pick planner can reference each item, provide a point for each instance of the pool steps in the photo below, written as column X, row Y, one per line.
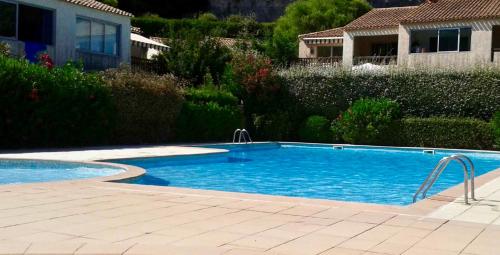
column 440, row 167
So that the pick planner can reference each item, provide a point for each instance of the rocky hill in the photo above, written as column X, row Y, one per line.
column 270, row 10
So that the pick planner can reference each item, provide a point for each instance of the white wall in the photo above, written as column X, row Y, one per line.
column 480, row 54
column 65, row 27
column 360, row 36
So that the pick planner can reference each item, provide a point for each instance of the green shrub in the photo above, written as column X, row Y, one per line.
column 495, row 122
column 200, row 122
column 48, row 108
column 367, row 121
column 274, row 126
column 192, row 55
column 439, row 132
column 316, row 129
column 205, row 95
column 259, row 85
column 147, row 106
column 422, row 93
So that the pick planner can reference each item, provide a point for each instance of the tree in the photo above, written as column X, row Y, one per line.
column 305, row 16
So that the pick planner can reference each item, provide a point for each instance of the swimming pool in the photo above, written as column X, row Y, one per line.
column 359, row 174
column 13, row 171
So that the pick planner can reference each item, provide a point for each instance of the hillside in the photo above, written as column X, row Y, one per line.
column 263, row 10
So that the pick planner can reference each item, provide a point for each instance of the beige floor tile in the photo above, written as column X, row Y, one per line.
column 487, row 243
column 43, row 237
column 253, row 226
column 210, row 239
column 449, row 238
column 303, row 210
column 263, row 242
column 142, row 249
column 402, row 220
column 380, row 233
column 346, row 228
column 426, row 251
column 300, row 227
column 342, row 251
column 319, row 221
column 58, row 248
column 13, row 248
column 270, row 208
column 371, row 217
column 103, row 249
column 337, row 213
column 114, row 235
column 153, row 239
column 181, row 231
column 309, row 245
column 359, row 244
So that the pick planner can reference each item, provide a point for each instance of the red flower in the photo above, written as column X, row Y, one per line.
column 46, row 60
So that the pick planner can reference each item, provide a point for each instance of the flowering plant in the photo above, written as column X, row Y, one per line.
column 46, row 61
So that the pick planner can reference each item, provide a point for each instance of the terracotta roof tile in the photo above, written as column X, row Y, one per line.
column 99, row 6
column 453, row 10
column 335, row 32
column 381, row 18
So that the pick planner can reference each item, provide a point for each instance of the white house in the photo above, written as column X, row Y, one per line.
column 68, row 30
column 459, row 33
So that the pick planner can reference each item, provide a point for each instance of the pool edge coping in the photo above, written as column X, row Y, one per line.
column 421, row 207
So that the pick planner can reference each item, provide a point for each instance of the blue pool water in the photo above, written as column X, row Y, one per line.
column 30, row 171
column 360, row 174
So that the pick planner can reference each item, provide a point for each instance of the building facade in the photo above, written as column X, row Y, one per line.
column 456, row 33
column 96, row 34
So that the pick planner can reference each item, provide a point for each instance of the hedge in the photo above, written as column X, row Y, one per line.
column 208, row 122
column 48, row 108
column 316, row 129
column 436, row 132
column 420, row 93
column 147, row 106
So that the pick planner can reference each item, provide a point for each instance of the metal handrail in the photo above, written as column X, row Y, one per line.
column 235, row 133
column 440, row 167
column 243, row 135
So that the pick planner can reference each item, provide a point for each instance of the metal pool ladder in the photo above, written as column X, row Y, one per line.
column 243, row 135
column 436, row 172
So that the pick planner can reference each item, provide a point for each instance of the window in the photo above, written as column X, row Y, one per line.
column 97, row 37
column 448, row 39
column 329, row 51
column 8, row 17
column 35, row 25
column 441, row 40
column 83, row 34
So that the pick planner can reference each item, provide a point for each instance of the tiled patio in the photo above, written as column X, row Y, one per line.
column 95, row 217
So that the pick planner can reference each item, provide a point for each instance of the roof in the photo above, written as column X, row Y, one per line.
column 335, row 32
column 99, row 6
column 454, row 10
column 142, row 41
column 382, row 18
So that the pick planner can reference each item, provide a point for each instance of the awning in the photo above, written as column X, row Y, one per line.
column 141, row 41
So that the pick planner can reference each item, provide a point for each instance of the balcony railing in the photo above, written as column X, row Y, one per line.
column 376, row 60
column 92, row 61
column 328, row 61
column 146, row 65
